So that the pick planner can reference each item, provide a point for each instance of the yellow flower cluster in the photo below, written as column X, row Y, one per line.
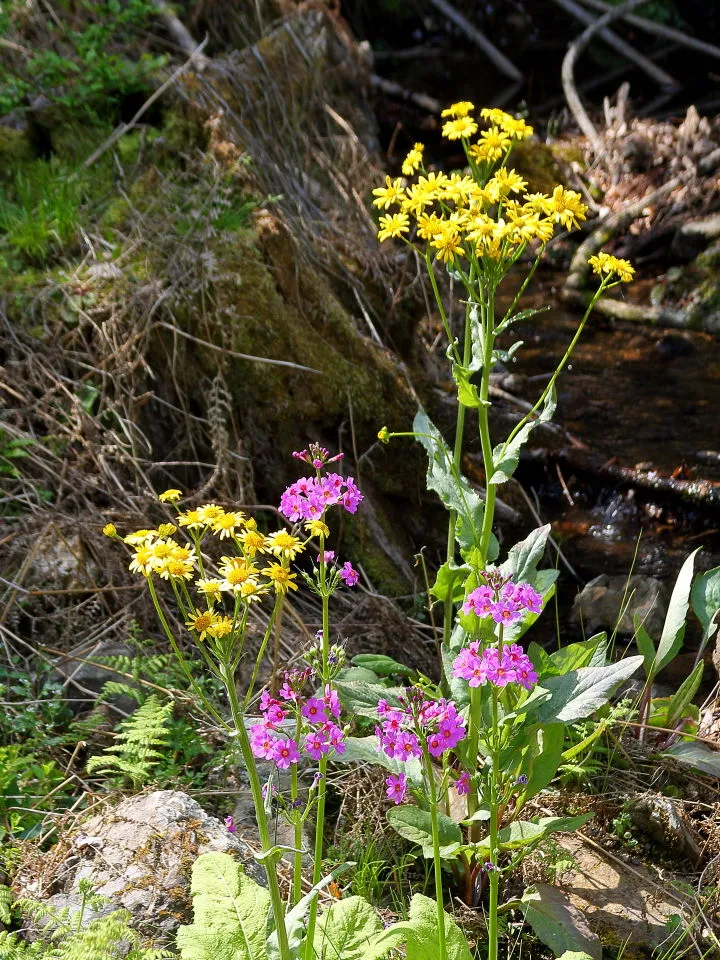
column 239, row 575
column 606, row 263
column 485, row 214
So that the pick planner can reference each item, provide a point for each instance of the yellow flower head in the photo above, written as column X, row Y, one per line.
column 235, row 577
column 316, row 528
column 460, row 109
column 142, row 561
column 191, row 519
column 540, row 202
column 201, row 621
column 183, row 553
column 252, row 541
column 493, row 143
column 606, row 263
column 389, row 195
column 110, row 530
column 413, row 161
column 226, row 523
column 447, row 242
column 173, row 568
column 393, row 225
column 495, row 116
column 209, row 512
column 460, row 129
column 166, row 529
column 210, row 587
column 140, row 536
column 518, row 129
column 251, row 591
column 221, row 627
column 163, row 549
column 281, row 577
column 170, row 496
column 508, row 181
column 567, row 207
column 283, row 544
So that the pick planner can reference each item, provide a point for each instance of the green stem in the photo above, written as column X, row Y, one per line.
column 279, row 599
column 297, row 856
column 473, row 750
column 494, row 852
column 436, row 855
column 484, row 424
column 269, row 863
column 322, row 766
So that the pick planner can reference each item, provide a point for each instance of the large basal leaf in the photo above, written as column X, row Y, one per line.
column 367, row 750
column 558, row 923
column 506, row 456
column 362, row 697
column 523, row 558
column 540, row 757
column 695, row 755
column 420, row 935
column 578, row 694
column 453, row 489
column 346, row 930
column 382, row 666
column 677, row 710
column 230, row 913
column 644, row 643
column 674, row 627
column 586, row 653
column 415, row 825
column 524, row 833
column 705, row 596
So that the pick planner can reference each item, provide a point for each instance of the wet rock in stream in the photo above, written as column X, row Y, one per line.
column 607, row 601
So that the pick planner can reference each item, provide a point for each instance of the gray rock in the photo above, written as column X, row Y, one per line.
column 85, row 681
column 694, row 235
column 599, row 604
column 661, row 819
column 139, row 855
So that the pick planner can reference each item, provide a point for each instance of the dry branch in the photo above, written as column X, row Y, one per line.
column 568, row 69
column 504, row 65
column 660, row 30
column 620, row 45
column 392, row 89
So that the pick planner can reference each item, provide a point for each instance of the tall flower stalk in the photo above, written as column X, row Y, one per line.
column 480, row 224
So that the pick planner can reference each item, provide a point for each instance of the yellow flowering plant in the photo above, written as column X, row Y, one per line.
column 479, row 224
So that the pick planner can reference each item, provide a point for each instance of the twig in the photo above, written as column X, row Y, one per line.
column 504, row 65
column 618, row 44
column 179, row 32
column 125, row 127
column 392, row 89
column 660, row 30
column 568, row 69
column 234, row 353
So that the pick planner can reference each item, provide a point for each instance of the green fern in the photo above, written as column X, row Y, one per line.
column 6, row 899
column 135, row 753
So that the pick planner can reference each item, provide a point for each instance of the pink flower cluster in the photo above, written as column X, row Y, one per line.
column 309, row 497
column 505, row 604
column 402, row 729
column 317, row 715
column 512, row 665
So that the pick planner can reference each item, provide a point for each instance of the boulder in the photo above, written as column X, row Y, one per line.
column 138, row 855
column 599, row 605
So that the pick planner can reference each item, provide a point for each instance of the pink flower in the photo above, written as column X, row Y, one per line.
column 396, row 787
column 462, row 784
column 406, row 746
column 316, row 744
column 529, row 598
column 327, row 557
column 336, row 737
column 262, row 742
column 349, row 575
column 479, row 602
column 285, row 752
column 230, row 824
column 506, row 611
column 332, row 701
column 315, row 710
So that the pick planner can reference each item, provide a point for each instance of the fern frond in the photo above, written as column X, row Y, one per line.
column 115, row 688
column 135, row 753
column 6, row 899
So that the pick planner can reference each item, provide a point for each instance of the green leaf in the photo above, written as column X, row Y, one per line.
column 674, row 627
column 558, row 923
column 522, row 833
column 467, row 392
column 540, row 758
column 230, row 913
column 684, row 696
column 295, row 919
column 580, row 693
column 415, row 825
column 362, row 697
column 519, row 316
column 523, row 557
column 507, row 455
column 695, row 755
column 705, row 596
column 367, row 750
column 346, row 929
column 420, row 933
column 586, row 653
column 382, row 666
column 452, row 488
column 644, row 644
column 449, row 581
